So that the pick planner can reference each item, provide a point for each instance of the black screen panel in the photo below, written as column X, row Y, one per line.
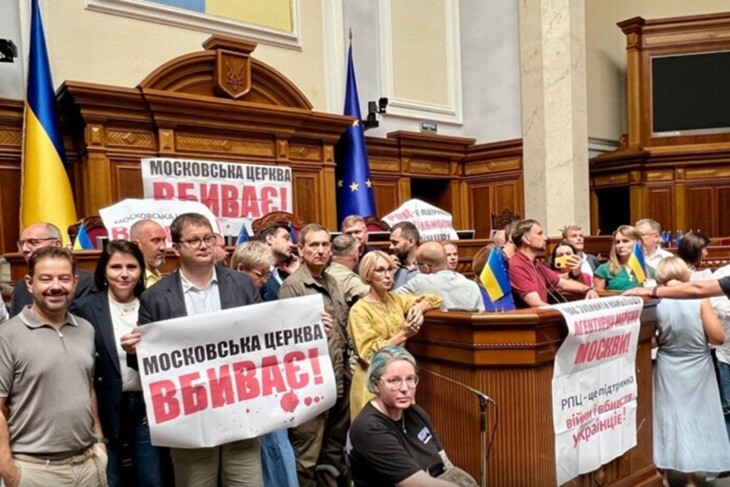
column 691, row 92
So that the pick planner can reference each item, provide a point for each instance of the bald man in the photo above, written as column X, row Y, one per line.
column 150, row 237
column 458, row 292
column 34, row 237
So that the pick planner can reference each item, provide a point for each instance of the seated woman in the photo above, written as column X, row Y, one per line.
column 569, row 266
column 381, row 318
column 392, row 442
column 693, row 249
column 689, row 432
column 616, row 275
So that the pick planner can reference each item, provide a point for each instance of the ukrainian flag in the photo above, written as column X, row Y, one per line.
column 497, row 292
column 637, row 264
column 45, row 189
column 83, row 241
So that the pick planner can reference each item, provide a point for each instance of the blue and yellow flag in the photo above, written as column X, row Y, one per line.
column 354, row 189
column 496, row 291
column 83, row 241
column 637, row 264
column 243, row 235
column 46, row 194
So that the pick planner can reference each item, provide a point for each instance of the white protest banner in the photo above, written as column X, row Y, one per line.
column 234, row 374
column 234, row 192
column 433, row 223
column 119, row 217
column 594, row 384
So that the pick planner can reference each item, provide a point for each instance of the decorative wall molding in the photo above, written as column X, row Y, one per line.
column 162, row 14
column 452, row 112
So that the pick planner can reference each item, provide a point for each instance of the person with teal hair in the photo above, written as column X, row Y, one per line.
column 392, row 441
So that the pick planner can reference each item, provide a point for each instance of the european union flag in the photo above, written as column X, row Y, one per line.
column 45, row 193
column 83, row 241
column 354, row 190
column 637, row 264
column 243, row 235
column 292, row 233
column 496, row 290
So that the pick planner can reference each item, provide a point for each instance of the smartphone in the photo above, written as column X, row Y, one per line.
column 561, row 262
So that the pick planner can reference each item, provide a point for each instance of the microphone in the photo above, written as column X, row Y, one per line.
column 483, row 401
column 551, row 286
column 476, row 392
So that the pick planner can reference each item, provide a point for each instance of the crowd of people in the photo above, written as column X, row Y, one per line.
column 71, row 395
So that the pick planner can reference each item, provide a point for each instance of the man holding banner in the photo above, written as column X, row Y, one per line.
column 319, row 443
column 201, row 287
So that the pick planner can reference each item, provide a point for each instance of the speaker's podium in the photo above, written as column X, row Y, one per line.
column 510, row 356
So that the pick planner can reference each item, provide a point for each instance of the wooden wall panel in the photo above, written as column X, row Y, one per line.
column 128, row 181
column 306, row 189
column 9, row 207
column 700, row 208
column 723, row 204
column 505, row 195
column 386, row 196
column 661, row 204
column 481, row 204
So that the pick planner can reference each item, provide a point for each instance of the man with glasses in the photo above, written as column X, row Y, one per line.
column 319, row 443
column 198, row 287
column 651, row 232
column 32, row 238
column 435, row 277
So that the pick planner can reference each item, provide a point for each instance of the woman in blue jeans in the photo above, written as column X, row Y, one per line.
column 119, row 279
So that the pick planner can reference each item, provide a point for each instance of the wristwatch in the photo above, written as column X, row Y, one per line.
column 101, row 439
column 653, row 292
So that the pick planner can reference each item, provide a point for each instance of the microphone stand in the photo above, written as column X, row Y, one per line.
column 483, row 401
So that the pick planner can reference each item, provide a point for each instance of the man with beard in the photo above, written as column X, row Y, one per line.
column 50, row 434
column 277, row 238
column 150, row 237
column 35, row 237
column 404, row 242
column 319, row 443
column 532, row 281
column 573, row 234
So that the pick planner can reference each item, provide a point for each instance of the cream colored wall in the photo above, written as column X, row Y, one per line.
column 606, row 54
column 102, row 48
column 419, row 51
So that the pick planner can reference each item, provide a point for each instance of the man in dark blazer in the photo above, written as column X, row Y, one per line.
column 33, row 238
column 277, row 239
column 199, row 286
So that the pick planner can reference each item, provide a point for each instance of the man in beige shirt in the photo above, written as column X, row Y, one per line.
column 150, row 237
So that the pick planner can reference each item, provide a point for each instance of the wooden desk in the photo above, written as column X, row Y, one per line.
column 509, row 356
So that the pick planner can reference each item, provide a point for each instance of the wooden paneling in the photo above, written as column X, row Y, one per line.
column 386, row 195
column 305, row 196
column 660, row 204
column 481, row 200
column 509, row 356
column 127, row 181
column 700, row 209
column 723, row 203
column 9, row 206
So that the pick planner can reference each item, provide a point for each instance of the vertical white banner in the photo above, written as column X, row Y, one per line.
column 594, row 384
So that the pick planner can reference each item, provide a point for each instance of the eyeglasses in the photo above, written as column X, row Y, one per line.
column 195, row 243
column 261, row 274
column 33, row 242
column 385, row 270
column 396, row 383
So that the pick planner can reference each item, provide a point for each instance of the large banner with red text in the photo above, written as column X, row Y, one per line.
column 234, row 192
column 594, row 384
column 234, row 374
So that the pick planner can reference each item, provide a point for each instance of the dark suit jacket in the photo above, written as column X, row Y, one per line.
column 107, row 375
column 592, row 261
column 22, row 297
column 165, row 300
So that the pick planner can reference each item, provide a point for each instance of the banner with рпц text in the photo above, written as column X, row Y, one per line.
column 594, row 384
column 239, row 373
column 234, row 192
